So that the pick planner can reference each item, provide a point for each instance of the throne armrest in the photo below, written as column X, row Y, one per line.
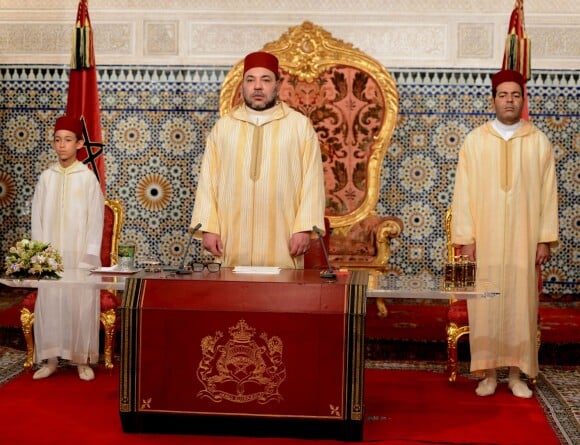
column 366, row 244
column 390, row 227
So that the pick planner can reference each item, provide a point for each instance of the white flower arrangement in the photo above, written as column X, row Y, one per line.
column 33, row 259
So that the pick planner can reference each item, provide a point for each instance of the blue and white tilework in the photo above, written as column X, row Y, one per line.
column 155, row 120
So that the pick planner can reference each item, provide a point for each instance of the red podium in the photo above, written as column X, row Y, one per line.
column 256, row 355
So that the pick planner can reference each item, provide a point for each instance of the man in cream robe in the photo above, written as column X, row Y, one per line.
column 68, row 212
column 505, row 216
column 261, row 185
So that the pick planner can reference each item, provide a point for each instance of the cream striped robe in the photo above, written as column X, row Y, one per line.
column 506, row 202
column 258, row 185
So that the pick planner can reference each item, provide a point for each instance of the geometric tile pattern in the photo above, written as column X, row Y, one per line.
column 155, row 120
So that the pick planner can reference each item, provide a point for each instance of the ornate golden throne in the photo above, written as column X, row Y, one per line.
column 352, row 102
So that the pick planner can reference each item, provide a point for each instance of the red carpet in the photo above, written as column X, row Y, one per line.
column 402, row 407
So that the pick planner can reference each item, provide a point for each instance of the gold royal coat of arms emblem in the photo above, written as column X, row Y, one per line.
column 241, row 369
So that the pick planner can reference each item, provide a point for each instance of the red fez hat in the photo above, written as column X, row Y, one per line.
column 507, row 76
column 69, row 123
column 263, row 60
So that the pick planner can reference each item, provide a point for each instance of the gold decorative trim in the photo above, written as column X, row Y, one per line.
column 454, row 332
column 129, row 344
column 108, row 319
column 449, row 244
column 118, row 219
column 26, row 320
column 241, row 362
column 357, row 310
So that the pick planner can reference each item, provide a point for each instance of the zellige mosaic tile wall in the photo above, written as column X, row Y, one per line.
column 154, row 124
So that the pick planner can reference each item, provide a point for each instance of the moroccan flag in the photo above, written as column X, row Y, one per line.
column 83, row 95
column 517, row 55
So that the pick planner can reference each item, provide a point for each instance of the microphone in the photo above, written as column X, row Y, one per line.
column 182, row 269
column 329, row 273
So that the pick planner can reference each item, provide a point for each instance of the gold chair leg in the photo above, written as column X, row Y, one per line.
column 26, row 320
column 453, row 334
column 381, row 308
column 108, row 319
column 533, row 380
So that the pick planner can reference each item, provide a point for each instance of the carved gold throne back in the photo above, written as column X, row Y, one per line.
column 352, row 102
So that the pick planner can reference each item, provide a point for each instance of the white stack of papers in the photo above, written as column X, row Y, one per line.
column 114, row 270
column 264, row 270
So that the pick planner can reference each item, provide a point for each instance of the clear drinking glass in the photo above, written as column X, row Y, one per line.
column 126, row 257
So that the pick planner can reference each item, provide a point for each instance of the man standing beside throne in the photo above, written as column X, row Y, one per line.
column 261, row 185
column 505, row 216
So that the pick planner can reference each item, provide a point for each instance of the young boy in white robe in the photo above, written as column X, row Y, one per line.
column 68, row 212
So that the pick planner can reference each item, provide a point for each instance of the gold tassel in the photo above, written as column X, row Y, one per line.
column 517, row 53
column 81, row 48
column 517, row 56
column 511, row 51
column 526, row 57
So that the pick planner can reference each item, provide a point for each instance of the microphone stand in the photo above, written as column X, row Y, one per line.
column 329, row 273
column 182, row 270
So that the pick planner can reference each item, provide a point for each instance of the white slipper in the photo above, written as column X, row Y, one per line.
column 45, row 371
column 520, row 389
column 85, row 373
column 486, row 387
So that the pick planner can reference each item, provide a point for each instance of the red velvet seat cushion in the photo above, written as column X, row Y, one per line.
column 359, row 241
column 107, row 240
column 30, row 300
column 108, row 301
column 457, row 313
